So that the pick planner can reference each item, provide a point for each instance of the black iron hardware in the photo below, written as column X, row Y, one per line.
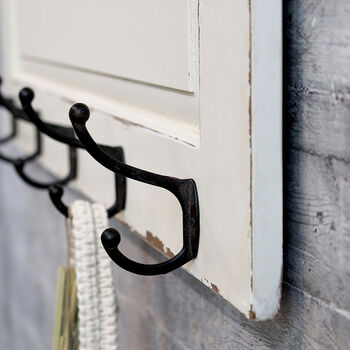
column 8, row 104
column 72, row 174
column 12, row 133
column 72, row 154
column 66, row 135
column 17, row 114
column 14, row 112
column 183, row 189
column 56, row 192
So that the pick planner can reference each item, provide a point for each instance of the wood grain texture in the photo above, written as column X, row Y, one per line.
column 176, row 311
column 317, row 74
column 317, row 129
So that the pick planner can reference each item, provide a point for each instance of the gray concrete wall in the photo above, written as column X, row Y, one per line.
column 176, row 311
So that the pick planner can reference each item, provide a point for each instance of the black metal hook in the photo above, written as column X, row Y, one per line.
column 72, row 154
column 16, row 114
column 20, row 163
column 30, row 157
column 56, row 192
column 59, row 133
column 184, row 190
column 13, row 132
column 66, row 135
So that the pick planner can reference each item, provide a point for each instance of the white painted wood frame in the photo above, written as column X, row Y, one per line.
column 216, row 118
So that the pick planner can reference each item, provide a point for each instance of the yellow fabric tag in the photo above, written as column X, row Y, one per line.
column 65, row 334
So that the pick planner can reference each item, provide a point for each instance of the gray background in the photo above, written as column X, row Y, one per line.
column 176, row 311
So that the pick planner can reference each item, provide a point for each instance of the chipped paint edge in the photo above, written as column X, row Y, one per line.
column 149, row 238
column 159, row 246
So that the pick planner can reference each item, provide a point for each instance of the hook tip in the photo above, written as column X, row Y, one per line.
column 79, row 113
column 110, row 238
column 19, row 163
column 56, row 190
column 26, row 95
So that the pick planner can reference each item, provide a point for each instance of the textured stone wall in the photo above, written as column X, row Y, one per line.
column 176, row 311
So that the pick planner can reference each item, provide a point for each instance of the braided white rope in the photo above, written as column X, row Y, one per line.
column 107, row 300
column 95, row 289
column 83, row 259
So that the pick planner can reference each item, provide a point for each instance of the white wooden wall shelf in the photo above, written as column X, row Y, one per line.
column 189, row 89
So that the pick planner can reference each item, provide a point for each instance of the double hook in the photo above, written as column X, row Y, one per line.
column 19, row 163
column 184, row 190
column 25, row 95
column 111, row 158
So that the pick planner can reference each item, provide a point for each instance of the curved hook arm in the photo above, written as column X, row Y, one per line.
column 20, row 164
column 56, row 194
column 63, row 134
column 12, row 133
column 111, row 238
column 30, row 157
column 184, row 190
column 58, row 133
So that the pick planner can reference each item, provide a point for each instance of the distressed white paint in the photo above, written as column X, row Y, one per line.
column 239, row 190
column 267, row 156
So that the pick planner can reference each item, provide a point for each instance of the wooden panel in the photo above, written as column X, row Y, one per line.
column 149, row 41
column 144, row 71
column 236, row 162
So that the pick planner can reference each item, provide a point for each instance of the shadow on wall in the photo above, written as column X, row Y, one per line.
column 294, row 45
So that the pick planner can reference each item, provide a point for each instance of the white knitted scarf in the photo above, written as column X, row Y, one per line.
column 97, row 308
